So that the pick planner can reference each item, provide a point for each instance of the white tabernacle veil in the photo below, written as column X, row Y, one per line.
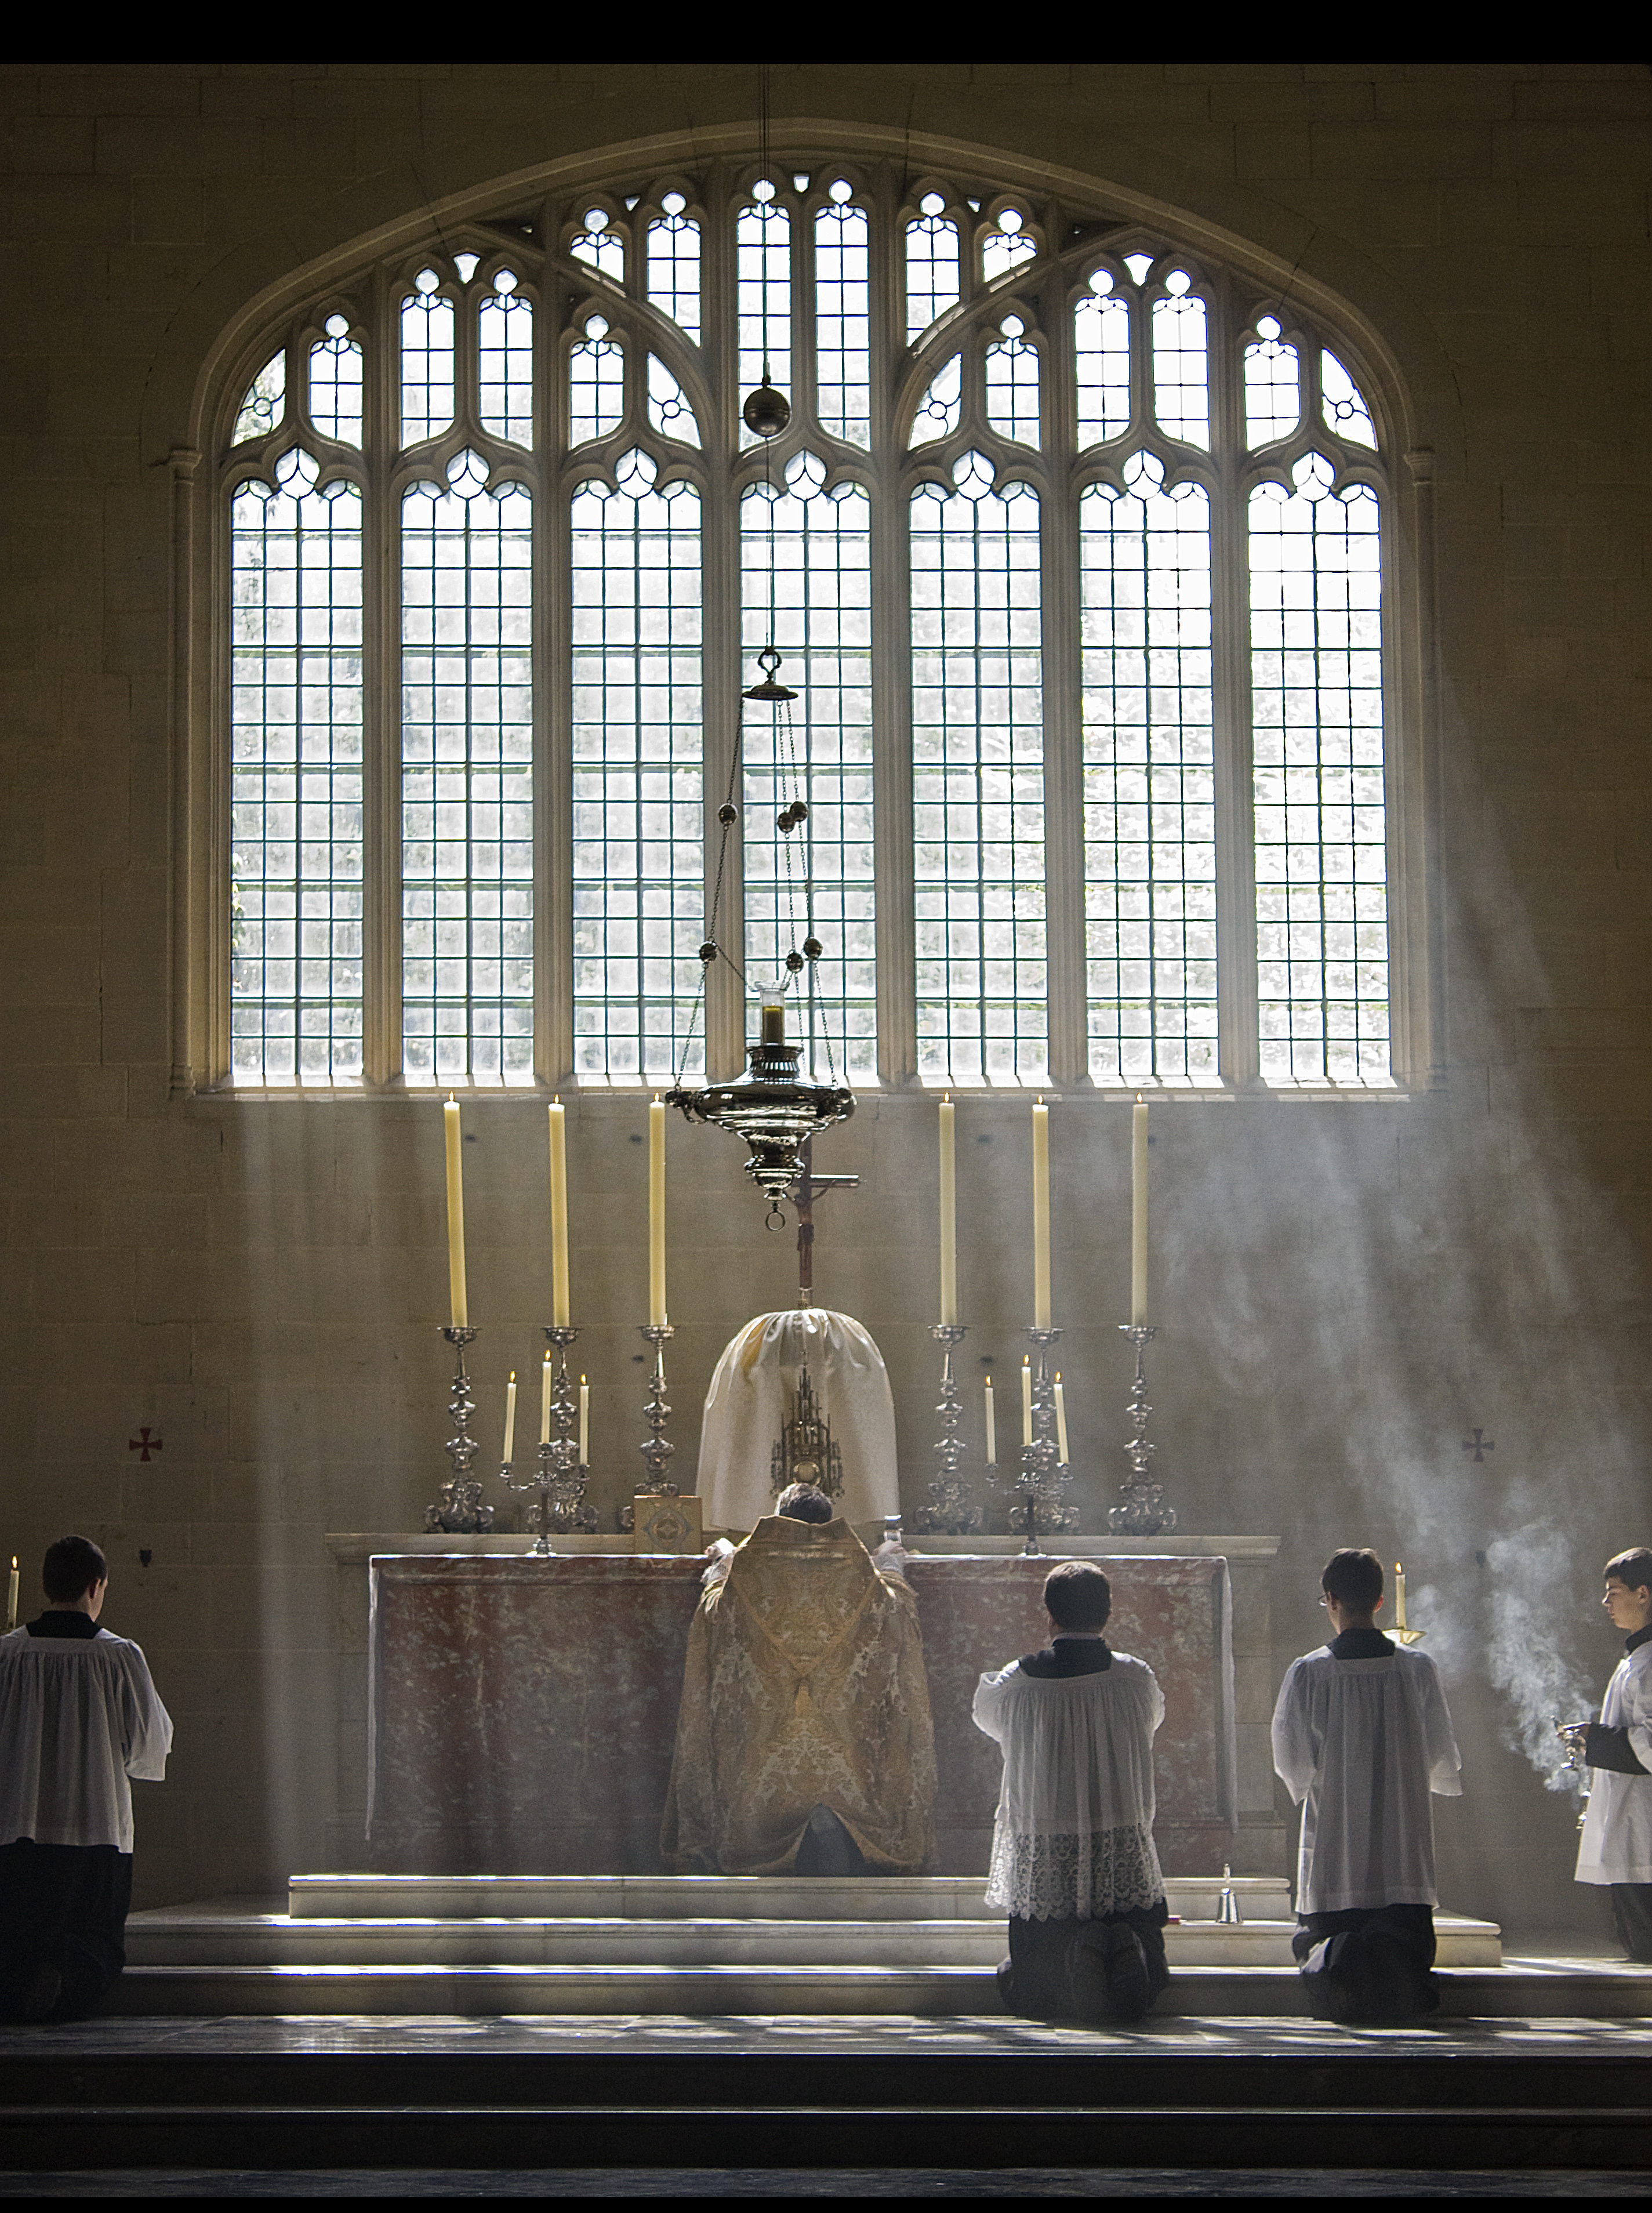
column 1074, row 1831
column 751, row 1400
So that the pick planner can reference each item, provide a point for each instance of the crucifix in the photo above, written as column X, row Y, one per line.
column 808, row 1188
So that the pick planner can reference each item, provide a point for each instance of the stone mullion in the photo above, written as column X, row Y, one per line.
column 553, row 703
column 381, row 890
column 720, row 662
column 1063, row 774
column 1238, row 1058
column 893, row 863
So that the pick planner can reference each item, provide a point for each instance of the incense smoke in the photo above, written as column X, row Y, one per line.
column 1541, row 1686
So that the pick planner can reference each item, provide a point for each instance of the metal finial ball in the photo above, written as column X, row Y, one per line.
column 728, row 813
column 799, row 810
column 784, row 818
column 708, row 951
column 794, row 961
column 813, row 948
column 766, row 411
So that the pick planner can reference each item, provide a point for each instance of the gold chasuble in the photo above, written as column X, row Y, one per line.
column 804, row 1686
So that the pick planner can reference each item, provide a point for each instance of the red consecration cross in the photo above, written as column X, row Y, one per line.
column 143, row 1442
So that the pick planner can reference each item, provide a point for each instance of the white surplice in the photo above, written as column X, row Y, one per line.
column 1615, row 1845
column 78, row 1717
column 1073, row 1835
column 1365, row 1742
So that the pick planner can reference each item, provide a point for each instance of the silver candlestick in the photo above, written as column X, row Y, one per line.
column 462, row 1512
column 1042, row 1478
column 952, row 1511
column 1143, row 1512
column 658, row 1451
column 557, row 1475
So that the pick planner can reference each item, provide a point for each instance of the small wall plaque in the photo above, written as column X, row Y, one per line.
column 668, row 1525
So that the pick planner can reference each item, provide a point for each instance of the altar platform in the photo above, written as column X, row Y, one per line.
column 521, row 1710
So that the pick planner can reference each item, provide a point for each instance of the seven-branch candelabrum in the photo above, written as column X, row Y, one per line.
column 1041, row 1479
column 952, row 1510
column 658, row 1449
column 557, row 1475
column 1142, row 1512
column 460, row 1512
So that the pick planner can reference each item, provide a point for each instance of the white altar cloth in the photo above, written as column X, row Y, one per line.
column 751, row 1398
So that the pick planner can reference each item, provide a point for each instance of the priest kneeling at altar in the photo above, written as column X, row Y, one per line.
column 1361, row 1737
column 1074, row 1862
column 804, row 1743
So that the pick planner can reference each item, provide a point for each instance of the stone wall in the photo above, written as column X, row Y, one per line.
column 1347, row 1291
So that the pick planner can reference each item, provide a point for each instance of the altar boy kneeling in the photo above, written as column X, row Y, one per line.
column 1362, row 1733
column 1073, row 1857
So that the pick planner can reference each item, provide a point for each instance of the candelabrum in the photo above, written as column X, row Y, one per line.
column 462, row 1512
column 1143, row 1512
column 1042, row 1478
column 557, row 1475
column 658, row 1451
column 952, row 1511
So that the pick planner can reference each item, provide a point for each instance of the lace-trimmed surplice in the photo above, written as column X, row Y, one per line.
column 1074, row 1831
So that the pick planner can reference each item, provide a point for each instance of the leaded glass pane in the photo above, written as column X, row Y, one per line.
column 938, row 411
column 1316, row 683
column 978, row 780
column 427, row 361
column 467, row 780
column 596, row 385
column 639, row 882
column 933, row 284
column 1101, row 348
column 762, row 292
column 295, row 779
column 1006, row 248
column 806, row 566
column 601, row 247
column 1345, row 410
column 669, row 409
column 1149, row 792
column 1012, row 386
column 843, row 320
column 265, row 403
column 673, row 266
column 336, row 384
column 1272, row 401
column 1180, row 375
column 505, row 341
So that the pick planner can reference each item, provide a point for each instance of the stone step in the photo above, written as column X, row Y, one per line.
column 181, row 1938
column 729, row 1898
column 1570, row 1990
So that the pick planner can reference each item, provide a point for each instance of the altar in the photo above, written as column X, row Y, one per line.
column 522, row 1710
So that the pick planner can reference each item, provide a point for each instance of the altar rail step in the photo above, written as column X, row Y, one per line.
column 180, row 1938
column 722, row 1897
column 1232, row 1992
column 1173, row 2100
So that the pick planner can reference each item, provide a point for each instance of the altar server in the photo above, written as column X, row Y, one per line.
column 79, row 1716
column 1616, row 1846
column 1362, row 1734
column 1074, row 1864
column 804, row 1742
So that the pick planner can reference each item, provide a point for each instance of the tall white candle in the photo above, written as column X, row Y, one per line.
column 584, row 1423
column 559, row 1213
column 657, row 1215
column 1026, row 1400
column 1138, row 1212
column 1040, row 1215
column 1399, row 1597
column 545, row 1401
column 11, row 1597
column 510, row 1418
column 455, row 1215
column 991, row 1427
column 948, row 1216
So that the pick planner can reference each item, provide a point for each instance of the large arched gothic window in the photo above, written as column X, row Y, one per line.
column 1075, row 546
